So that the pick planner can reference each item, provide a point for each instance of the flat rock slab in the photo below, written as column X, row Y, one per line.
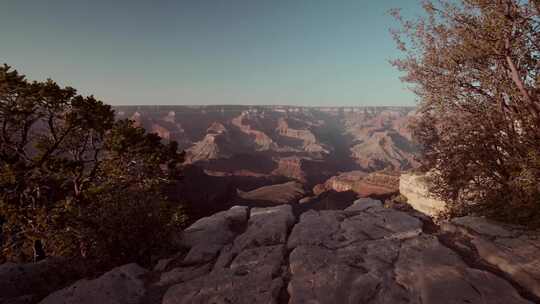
column 334, row 229
column 370, row 254
column 511, row 249
column 432, row 273
column 364, row 254
column 183, row 274
column 207, row 236
column 266, row 226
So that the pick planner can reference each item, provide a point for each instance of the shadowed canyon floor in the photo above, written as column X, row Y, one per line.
column 367, row 253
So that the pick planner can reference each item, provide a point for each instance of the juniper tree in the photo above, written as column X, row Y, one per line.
column 72, row 178
column 474, row 65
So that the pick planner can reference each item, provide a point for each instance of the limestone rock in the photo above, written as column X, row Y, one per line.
column 366, row 253
column 122, row 285
column 335, row 229
column 482, row 226
column 513, row 250
column 363, row 204
column 433, row 273
column 379, row 183
column 371, row 254
column 414, row 188
column 183, row 274
column 266, row 226
column 247, row 271
column 207, row 236
column 286, row 193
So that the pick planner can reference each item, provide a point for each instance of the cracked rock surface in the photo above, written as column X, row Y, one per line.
column 364, row 254
column 511, row 250
column 380, row 255
column 249, row 270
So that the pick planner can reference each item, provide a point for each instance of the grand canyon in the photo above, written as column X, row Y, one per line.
column 309, row 152
column 276, row 152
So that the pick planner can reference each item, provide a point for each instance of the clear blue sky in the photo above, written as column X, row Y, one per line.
column 303, row 52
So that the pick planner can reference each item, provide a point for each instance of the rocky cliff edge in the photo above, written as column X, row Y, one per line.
column 366, row 253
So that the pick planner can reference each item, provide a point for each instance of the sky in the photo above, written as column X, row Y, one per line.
column 193, row 52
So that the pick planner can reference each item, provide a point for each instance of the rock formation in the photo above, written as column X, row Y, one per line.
column 262, row 141
column 304, row 143
column 213, row 146
column 381, row 139
column 379, row 184
column 309, row 141
column 290, row 167
column 510, row 250
column 366, row 253
column 414, row 188
column 286, row 193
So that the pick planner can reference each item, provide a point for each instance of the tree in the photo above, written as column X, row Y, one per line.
column 63, row 157
column 474, row 64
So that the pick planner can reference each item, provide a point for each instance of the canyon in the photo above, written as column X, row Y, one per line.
column 357, row 149
column 299, row 205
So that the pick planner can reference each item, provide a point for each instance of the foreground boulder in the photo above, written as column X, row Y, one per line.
column 207, row 236
column 512, row 250
column 370, row 254
column 366, row 253
column 249, row 270
column 509, row 251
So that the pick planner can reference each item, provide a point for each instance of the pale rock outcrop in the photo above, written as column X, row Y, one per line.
column 122, row 285
column 362, row 183
column 414, row 188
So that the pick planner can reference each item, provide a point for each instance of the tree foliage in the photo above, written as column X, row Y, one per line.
column 75, row 182
column 474, row 64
